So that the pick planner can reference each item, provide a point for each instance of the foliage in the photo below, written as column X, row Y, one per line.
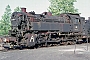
column 17, row 9
column 5, row 24
column 5, row 21
column 62, row 6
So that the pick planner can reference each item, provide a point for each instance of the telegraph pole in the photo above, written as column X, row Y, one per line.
column 87, row 42
column 75, row 45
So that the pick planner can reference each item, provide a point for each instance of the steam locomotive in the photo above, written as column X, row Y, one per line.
column 33, row 30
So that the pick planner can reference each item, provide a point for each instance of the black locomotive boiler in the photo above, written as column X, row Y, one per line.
column 33, row 30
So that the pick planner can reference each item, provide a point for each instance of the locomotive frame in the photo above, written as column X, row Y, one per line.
column 33, row 30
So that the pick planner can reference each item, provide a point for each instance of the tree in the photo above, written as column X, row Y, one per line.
column 62, row 6
column 17, row 9
column 5, row 24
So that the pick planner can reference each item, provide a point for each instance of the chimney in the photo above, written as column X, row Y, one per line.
column 23, row 10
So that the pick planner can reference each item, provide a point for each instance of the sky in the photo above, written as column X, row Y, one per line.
column 40, row 6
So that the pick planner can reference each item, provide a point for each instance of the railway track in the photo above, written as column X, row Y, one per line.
column 40, row 46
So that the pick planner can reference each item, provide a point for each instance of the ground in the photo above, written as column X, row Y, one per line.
column 49, row 53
